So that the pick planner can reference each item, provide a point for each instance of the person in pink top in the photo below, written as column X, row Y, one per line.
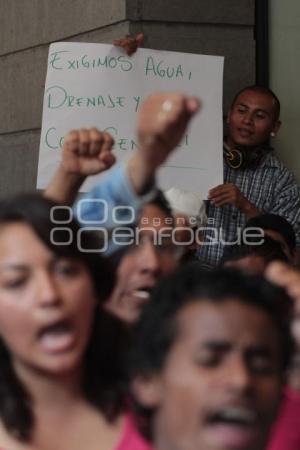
column 286, row 431
column 60, row 380
column 132, row 439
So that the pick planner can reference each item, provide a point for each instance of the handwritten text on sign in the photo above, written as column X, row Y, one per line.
column 98, row 85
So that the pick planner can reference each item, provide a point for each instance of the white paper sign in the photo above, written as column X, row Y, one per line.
column 98, row 85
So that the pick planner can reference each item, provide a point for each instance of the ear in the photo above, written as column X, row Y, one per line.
column 147, row 390
column 275, row 128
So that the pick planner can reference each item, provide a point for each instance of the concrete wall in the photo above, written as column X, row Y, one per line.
column 285, row 73
column 217, row 27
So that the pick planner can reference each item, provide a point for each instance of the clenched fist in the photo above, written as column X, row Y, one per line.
column 162, row 122
column 87, row 152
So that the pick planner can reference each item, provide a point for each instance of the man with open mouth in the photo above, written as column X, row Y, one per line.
column 208, row 365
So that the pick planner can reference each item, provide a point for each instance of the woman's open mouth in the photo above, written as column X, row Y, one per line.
column 57, row 337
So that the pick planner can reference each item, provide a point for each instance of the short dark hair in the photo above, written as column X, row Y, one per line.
column 157, row 328
column 102, row 378
column 276, row 223
column 262, row 90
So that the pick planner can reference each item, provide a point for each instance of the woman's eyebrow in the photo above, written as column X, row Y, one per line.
column 13, row 266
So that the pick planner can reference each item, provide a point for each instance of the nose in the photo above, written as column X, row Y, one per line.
column 248, row 117
column 149, row 259
column 238, row 377
column 47, row 291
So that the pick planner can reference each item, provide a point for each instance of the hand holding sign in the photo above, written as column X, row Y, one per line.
column 129, row 44
column 229, row 194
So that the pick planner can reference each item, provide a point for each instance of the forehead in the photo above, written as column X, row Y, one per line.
column 276, row 235
column 230, row 320
column 256, row 99
column 254, row 264
column 18, row 241
column 153, row 215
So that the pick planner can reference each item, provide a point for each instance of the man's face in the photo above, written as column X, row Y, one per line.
column 142, row 265
column 220, row 385
column 251, row 119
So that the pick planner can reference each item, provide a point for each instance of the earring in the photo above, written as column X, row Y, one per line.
column 272, row 134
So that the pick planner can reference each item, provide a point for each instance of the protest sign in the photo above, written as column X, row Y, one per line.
column 98, row 85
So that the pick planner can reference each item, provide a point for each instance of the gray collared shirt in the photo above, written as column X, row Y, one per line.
column 272, row 188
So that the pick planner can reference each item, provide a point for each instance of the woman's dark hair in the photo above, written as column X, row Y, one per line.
column 60, row 232
column 102, row 380
column 157, row 328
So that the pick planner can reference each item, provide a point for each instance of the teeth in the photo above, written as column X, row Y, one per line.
column 142, row 294
column 57, row 338
column 239, row 414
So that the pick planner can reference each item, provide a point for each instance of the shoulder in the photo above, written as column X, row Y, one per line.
column 274, row 164
column 286, row 433
column 272, row 161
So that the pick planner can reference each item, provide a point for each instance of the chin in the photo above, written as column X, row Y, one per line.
column 246, row 144
column 129, row 317
column 60, row 365
column 240, row 141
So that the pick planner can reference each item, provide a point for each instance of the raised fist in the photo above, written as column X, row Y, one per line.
column 87, row 152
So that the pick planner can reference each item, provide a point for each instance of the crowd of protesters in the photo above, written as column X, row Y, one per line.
column 162, row 341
